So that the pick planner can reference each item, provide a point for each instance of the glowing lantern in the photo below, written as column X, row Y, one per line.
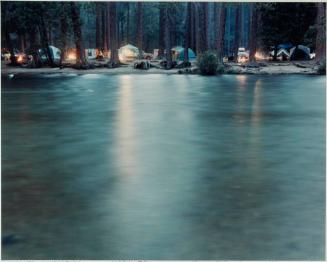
column 242, row 59
column 71, row 56
column 259, row 56
column 20, row 58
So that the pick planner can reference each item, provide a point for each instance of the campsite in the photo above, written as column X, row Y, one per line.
column 111, row 42
column 179, row 131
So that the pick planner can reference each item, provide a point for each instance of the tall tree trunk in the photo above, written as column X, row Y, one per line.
column 236, row 31
column 34, row 46
column 253, row 31
column 197, row 17
column 107, row 6
column 127, row 24
column 50, row 34
column 45, row 41
column 121, row 32
column 63, row 32
column 321, row 32
column 21, row 41
column 202, row 24
column 216, row 23
column 139, row 28
column 192, row 28
column 241, row 24
column 80, row 53
column 221, row 32
column 205, row 26
column 104, row 29
column 114, row 60
column 13, row 60
column 173, row 29
column 161, row 30
column 187, row 31
column 24, row 40
column 168, row 36
column 98, row 25
column 107, row 27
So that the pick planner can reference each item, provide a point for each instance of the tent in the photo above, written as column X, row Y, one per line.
column 300, row 53
column 178, row 53
column 128, row 53
column 286, row 46
column 54, row 51
column 283, row 54
column 91, row 53
column 242, row 55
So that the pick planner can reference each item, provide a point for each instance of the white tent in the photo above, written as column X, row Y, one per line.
column 54, row 51
column 90, row 53
column 282, row 52
column 242, row 55
column 128, row 53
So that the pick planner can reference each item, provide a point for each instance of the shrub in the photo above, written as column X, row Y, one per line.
column 322, row 68
column 221, row 68
column 208, row 63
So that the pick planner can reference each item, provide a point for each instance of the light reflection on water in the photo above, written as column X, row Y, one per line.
column 164, row 167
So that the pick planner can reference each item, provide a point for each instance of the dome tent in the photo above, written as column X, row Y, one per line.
column 178, row 53
column 282, row 54
column 300, row 52
column 54, row 52
column 128, row 52
column 286, row 46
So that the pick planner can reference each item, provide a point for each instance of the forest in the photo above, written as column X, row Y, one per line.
column 218, row 27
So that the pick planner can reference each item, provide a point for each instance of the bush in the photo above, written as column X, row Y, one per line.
column 221, row 68
column 322, row 68
column 208, row 63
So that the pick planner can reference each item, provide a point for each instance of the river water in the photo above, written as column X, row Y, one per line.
column 163, row 167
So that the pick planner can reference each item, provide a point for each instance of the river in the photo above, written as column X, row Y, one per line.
column 163, row 167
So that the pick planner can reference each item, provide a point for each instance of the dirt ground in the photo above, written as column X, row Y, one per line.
column 302, row 67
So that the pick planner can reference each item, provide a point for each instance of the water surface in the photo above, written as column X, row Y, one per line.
column 163, row 167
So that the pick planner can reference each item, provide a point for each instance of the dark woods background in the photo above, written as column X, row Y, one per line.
column 222, row 27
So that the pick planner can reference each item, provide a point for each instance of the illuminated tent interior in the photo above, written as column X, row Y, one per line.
column 128, row 53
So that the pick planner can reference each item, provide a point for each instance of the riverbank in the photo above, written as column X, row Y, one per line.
column 267, row 68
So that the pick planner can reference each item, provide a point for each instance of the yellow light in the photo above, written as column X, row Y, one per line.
column 71, row 56
column 121, row 57
column 20, row 58
column 242, row 59
column 259, row 56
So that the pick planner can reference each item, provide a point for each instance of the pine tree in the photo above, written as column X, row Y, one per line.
column 187, row 31
column 253, row 30
column 114, row 60
column 321, row 32
column 139, row 28
column 221, row 32
column 80, row 53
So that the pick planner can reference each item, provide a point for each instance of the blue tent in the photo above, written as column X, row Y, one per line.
column 285, row 46
column 178, row 53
